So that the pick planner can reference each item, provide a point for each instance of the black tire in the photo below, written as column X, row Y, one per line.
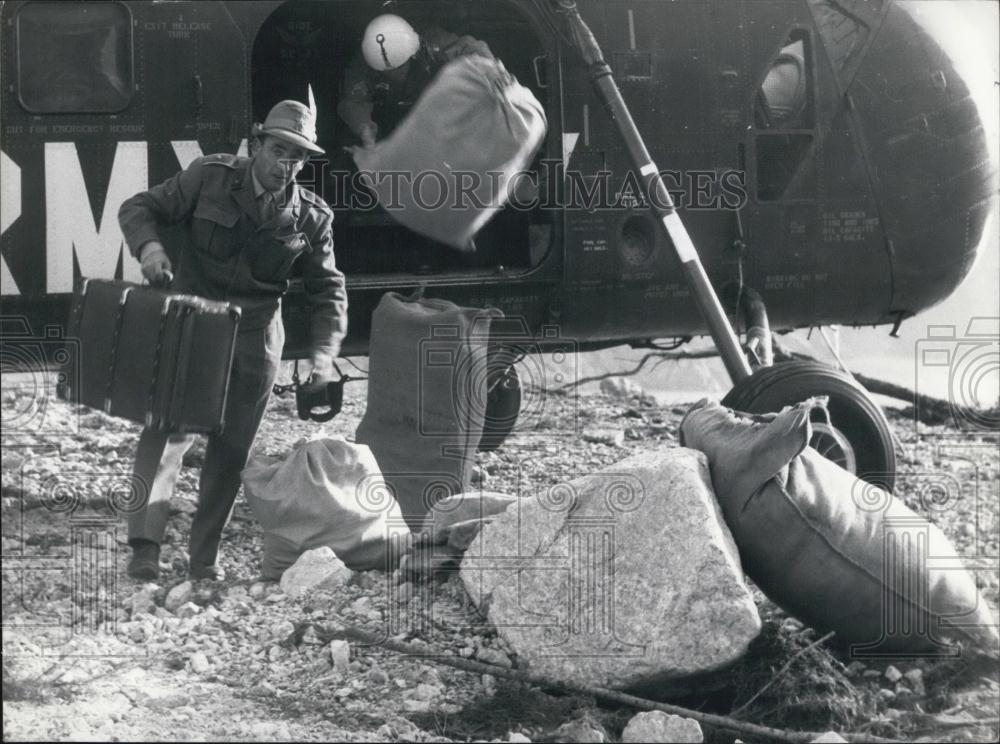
column 503, row 404
column 859, row 438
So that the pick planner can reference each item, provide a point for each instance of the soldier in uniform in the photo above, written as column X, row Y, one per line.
column 248, row 223
column 395, row 65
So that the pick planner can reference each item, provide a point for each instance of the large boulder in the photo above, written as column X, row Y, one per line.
column 621, row 578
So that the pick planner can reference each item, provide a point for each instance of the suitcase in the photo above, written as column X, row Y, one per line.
column 144, row 354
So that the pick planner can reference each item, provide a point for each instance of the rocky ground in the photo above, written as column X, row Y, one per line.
column 89, row 654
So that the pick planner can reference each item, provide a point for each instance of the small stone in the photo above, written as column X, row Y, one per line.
column 518, row 738
column 423, row 692
column 144, row 599
column 275, row 653
column 377, row 676
column 355, row 667
column 611, row 437
column 416, row 706
column 397, row 728
column 365, row 579
column 340, row 655
column 467, row 652
column 362, row 605
column 489, row 684
column 282, row 629
column 871, row 674
column 199, row 663
column 237, row 593
column 404, row 592
column 492, row 656
column 620, row 387
column 270, row 730
column 855, row 668
column 276, row 598
column 320, row 665
column 178, row 596
column 892, row 674
column 886, row 695
column 830, row 737
column 188, row 609
column 257, row 590
column 657, row 726
column 315, row 569
column 915, row 678
column 582, row 731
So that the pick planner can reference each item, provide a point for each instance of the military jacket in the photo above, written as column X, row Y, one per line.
column 232, row 256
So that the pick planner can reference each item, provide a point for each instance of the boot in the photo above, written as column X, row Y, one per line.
column 145, row 562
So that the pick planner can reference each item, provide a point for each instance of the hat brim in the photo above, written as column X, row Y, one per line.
column 289, row 136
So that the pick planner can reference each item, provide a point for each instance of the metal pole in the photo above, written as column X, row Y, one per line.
column 659, row 198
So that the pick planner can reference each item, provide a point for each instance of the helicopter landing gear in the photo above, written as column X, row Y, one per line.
column 857, row 437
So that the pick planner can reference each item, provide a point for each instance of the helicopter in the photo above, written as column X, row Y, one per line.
column 709, row 165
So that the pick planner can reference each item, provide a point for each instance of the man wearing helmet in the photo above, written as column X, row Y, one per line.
column 247, row 224
column 395, row 65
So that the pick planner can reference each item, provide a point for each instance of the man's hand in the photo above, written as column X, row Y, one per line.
column 156, row 266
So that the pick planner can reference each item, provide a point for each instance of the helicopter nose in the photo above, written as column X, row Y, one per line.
column 928, row 156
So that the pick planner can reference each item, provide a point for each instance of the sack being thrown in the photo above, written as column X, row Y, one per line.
column 454, row 161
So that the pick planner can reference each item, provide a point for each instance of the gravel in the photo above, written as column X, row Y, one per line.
column 243, row 660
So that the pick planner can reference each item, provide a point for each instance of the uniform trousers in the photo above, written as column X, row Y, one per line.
column 159, row 455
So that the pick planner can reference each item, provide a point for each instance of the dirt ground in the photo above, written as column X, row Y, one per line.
column 89, row 654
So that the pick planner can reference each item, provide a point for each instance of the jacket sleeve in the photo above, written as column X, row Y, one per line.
column 325, row 291
column 355, row 106
column 164, row 204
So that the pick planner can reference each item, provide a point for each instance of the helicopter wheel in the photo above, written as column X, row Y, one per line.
column 503, row 404
column 858, row 437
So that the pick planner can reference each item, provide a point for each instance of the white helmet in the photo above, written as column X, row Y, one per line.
column 389, row 42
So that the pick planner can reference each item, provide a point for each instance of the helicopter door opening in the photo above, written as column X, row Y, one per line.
column 312, row 42
column 783, row 121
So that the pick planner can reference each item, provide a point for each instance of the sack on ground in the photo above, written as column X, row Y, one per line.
column 326, row 492
column 461, row 148
column 426, row 392
column 831, row 549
